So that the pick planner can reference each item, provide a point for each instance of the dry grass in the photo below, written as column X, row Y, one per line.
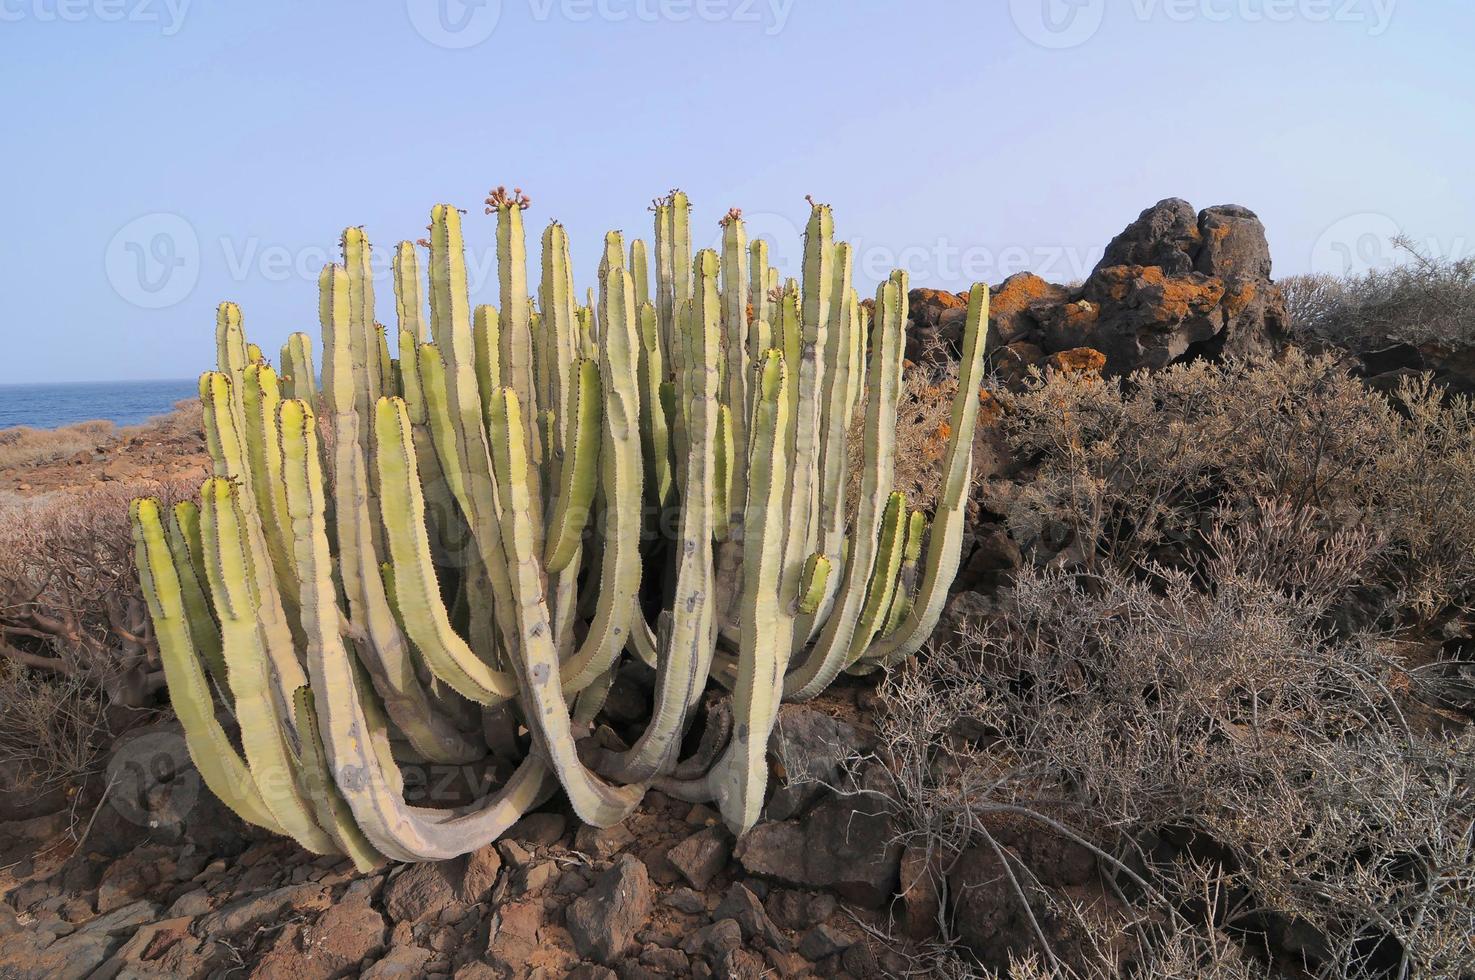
column 23, row 446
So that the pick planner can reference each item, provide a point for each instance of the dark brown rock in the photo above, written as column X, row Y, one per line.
column 421, row 891
column 743, row 907
column 605, row 919
column 921, row 874
column 700, row 857
column 824, row 940
column 715, row 939
column 810, row 747
column 349, row 932
column 1165, row 235
column 1232, row 243
column 602, row 842
column 538, row 828
column 845, row 845
column 479, row 874
column 798, row 910
column 513, row 936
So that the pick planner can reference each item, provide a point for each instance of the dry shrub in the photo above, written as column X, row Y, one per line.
column 22, row 445
column 52, row 727
column 70, row 604
column 1243, row 772
column 1425, row 300
column 1129, row 473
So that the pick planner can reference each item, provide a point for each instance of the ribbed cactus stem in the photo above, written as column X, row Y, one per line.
column 740, row 778
column 409, row 302
column 945, row 538
column 221, row 767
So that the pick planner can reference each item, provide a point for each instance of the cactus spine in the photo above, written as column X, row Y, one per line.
column 509, row 494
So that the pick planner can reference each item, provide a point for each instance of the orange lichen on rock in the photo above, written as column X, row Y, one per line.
column 1079, row 360
column 1017, row 292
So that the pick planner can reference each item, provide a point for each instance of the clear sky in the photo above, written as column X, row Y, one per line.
column 158, row 156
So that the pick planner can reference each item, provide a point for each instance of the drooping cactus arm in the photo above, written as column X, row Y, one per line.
column 388, row 657
column 687, row 653
column 417, row 590
column 945, row 540
column 222, row 769
column 828, row 655
column 182, row 535
column 264, row 736
column 363, row 774
column 529, row 634
column 333, row 812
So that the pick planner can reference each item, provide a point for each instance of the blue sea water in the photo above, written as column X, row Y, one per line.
column 47, row 406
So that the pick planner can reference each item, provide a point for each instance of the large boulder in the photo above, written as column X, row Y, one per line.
column 1173, row 285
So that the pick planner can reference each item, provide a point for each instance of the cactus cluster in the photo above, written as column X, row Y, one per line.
column 444, row 556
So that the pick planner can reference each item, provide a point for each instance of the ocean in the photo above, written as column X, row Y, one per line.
column 48, row 406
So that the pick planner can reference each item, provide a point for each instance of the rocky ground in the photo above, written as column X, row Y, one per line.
column 164, row 882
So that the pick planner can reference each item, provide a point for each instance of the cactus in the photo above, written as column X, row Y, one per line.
column 435, row 548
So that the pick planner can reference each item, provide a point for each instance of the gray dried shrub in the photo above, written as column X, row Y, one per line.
column 1420, row 301
column 70, row 606
column 1127, row 473
column 1244, row 772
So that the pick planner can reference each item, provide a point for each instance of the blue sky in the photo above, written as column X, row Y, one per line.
column 162, row 156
